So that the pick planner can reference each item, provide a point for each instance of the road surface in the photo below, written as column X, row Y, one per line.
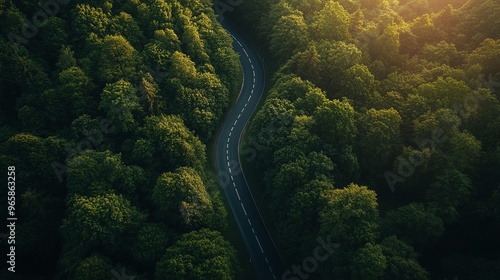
column 259, row 244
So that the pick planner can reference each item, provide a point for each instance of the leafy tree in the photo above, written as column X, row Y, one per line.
column 168, row 137
column 306, row 64
column 183, row 191
column 448, row 193
column 93, row 267
column 414, row 224
column 152, row 101
column 73, row 97
column 275, row 13
column 289, row 36
column 336, row 58
column 334, row 123
column 383, row 128
column 369, row 262
column 331, row 23
column 270, row 127
column 486, row 55
column 66, row 58
column 125, row 25
column 53, row 36
column 401, row 261
column 202, row 254
column 386, row 46
column 193, row 44
column 99, row 220
column 155, row 15
column 152, row 241
column 350, row 216
column 119, row 100
column 358, row 85
column 116, row 59
column 442, row 52
column 88, row 20
column 94, row 173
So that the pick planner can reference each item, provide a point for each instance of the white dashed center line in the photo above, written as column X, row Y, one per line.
column 259, row 243
column 243, row 209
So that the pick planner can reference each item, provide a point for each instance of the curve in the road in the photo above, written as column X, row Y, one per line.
column 260, row 246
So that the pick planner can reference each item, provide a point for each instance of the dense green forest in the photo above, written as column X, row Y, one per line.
column 106, row 111
column 381, row 129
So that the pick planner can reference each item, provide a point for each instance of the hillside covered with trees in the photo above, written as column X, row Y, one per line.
column 381, row 129
column 106, row 110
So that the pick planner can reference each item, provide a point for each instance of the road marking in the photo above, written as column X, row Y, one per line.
column 253, row 86
column 228, row 164
column 232, row 128
column 230, row 134
column 250, row 223
column 228, row 139
column 233, row 183
column 227, row 146
column 227, row 157
column 266, row 260
column 252, row 66
column 253, row 73
column 243, row 209
column 245, row 104
column 238, row 194
column 232, row 179
column 229, row 170
column 227, row 152
column 251, row 92
column 254, row 79
column 239, row 116
column 274, row 277
column 235, row 122
column 270, row 269
column 243, row 110
column 245, row 52
column 250, row 97
column 253, row 231
column 259, row 243
column 250, row 60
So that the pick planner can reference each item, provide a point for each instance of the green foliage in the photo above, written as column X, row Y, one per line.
column 183, row 191
column 378, row 139
column 152, row 241
column 99, row 220
column 202, row 254
column 94, row 88
column 168, row 137
column 289, row 36
column 331, row 23
column 116, row 59
column 407, row 85
column 369, row 262
column 414, row 224
column 93, row 267
column 97, row 173
column 121, row 103
column 351, row 215
column 88, row 20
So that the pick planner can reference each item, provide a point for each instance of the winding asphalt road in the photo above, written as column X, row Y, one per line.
column 260, row 246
